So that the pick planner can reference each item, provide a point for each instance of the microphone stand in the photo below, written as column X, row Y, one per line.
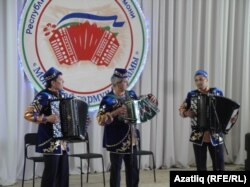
column 217, row 126
column 131, row 123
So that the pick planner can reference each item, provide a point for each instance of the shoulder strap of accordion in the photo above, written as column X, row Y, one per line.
column 212, row 89
column 111, row 95
column 128, row 95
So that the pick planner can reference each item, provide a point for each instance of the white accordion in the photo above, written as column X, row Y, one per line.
column 140, row 111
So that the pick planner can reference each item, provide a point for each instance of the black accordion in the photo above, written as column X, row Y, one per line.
column 73, row 116
column 214, row 112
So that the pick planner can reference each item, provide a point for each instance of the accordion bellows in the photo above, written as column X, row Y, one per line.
column 82, row 42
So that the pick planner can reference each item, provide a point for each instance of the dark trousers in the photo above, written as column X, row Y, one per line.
column 56, row 171
column 216, row 153
column 131, row 170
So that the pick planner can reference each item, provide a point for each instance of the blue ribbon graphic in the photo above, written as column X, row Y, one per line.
column 93, row 17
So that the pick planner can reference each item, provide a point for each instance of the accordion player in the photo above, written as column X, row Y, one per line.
column 72, row 118
column 212, row 116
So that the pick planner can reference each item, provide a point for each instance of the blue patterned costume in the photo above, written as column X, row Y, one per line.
column 200, row 137
column 196, row 135
column 117, row 135
column 46, row 144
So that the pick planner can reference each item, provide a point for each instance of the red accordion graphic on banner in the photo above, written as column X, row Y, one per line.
column 82, row 41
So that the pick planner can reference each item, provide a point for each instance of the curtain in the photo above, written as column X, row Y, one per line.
column 184, row 35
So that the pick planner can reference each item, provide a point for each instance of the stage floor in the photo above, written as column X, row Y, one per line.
column 146, row 178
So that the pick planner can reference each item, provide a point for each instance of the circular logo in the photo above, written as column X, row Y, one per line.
column 85, row 41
